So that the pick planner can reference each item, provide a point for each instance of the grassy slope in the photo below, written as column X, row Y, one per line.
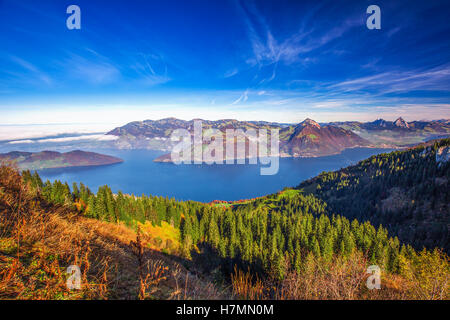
column 39, row 241
column 266, row 201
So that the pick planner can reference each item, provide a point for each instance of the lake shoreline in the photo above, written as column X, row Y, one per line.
column 139, row 174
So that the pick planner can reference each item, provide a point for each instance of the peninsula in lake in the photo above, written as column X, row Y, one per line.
column 52, row 159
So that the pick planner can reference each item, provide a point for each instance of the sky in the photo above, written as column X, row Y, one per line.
column 266, row 60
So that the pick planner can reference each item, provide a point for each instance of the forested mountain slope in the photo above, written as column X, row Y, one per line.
column 405, row 191
column 291, row 245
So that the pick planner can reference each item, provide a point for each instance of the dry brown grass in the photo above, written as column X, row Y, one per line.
column 247, row 287
column 345, row 278
column 338, row 280
column 38, row 241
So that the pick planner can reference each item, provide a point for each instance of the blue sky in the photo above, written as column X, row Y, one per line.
column 251, row 60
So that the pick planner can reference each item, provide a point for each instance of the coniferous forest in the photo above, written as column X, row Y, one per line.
column 406, row 192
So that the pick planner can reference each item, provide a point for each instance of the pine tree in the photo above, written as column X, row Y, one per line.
column 91, row 212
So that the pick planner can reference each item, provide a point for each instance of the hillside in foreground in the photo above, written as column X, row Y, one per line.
column 40, row 239
column 284, row 246
column 52, row 159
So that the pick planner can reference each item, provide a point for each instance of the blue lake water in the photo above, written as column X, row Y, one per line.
column 138, row 175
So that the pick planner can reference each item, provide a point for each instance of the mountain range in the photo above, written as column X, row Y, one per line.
column 398, row 133
column 305, row 139
column 435, row 126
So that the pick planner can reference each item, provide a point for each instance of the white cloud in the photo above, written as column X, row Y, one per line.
column 21, row 141
column 26, row 132
column 95, row 137
column 32, row 73
column 231, row 73
column 242, row 98
column 400, row 81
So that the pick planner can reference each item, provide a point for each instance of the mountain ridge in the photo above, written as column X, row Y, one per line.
column 306, row 139
column 52, row 159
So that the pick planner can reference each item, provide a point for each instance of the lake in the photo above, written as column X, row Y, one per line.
column 138, row 175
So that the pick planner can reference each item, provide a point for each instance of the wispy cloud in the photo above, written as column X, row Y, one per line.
column 433, row 79
column 242, row 98
column 231, row 73
column 95, row 73
column 151, row 69
column 91, row 67
column 294, row 48
column 272, row 61
column 29, row 72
